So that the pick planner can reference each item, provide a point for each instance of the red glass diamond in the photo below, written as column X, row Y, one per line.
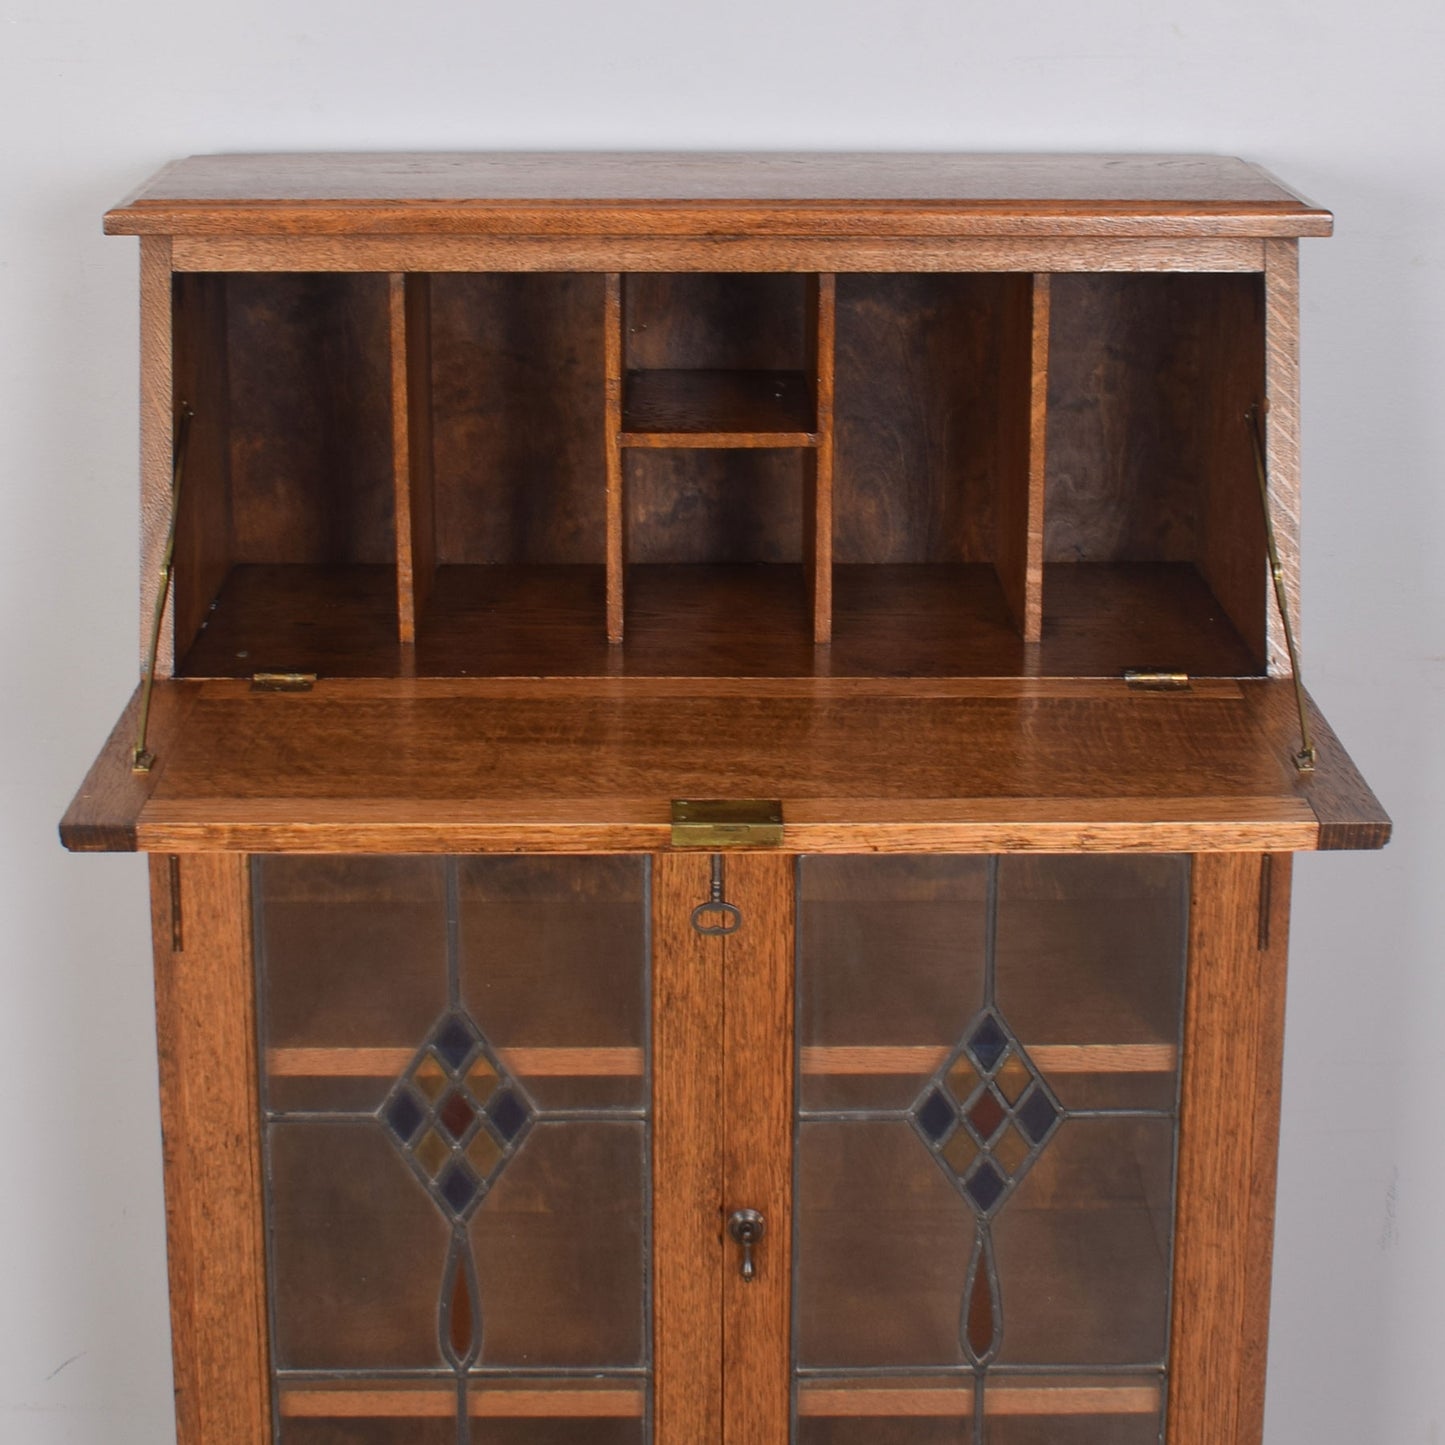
column 986, row 1115
column 456, row 1115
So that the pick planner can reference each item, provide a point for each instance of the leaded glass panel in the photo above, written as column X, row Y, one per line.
column 455, row 1092
column 993, row 1207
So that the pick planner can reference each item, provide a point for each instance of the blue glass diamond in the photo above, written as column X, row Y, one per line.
column 988, row 1044
column 454, row 1041
column 458, row 1186
column 1037, row 1115
column 404, row 1114
column 507, row 1113
column 936, row 1116
column 984, row 1186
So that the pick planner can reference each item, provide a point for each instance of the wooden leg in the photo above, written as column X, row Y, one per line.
column 206, row 1032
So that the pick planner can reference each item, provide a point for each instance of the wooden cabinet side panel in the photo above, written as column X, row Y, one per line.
column 758, row 1127
column 205, row 1025
column 1282, row 430
column 1229, row 1130
column 156, row 420
column 687, row 1157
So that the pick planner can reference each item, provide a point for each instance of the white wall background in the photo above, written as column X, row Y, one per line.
column 1342, row 99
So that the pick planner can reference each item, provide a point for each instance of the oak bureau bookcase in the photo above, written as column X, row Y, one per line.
column 720, row 741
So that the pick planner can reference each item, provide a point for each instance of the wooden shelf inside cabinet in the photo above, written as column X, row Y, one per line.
column 935, row 501
column 718, row 409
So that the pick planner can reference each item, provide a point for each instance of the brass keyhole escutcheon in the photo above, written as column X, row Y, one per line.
column 747, row 1227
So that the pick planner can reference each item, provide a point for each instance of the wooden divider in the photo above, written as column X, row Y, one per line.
column 411, row 433
column 616, row 499
column 818, row 463
column 1025, row 379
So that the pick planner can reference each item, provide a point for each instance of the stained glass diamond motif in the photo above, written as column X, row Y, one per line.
column 985, row 1185
column 1038, row 1115
column 484, row 1153
column 508, row 1114
column 988, row 1043
column 962, row 1079
column 1012, row 1150
column 404, row 1114
column 481, row 1078
column 459, row 1187
column 936, row 1116
column 986, row 1113
column 433, row 1152
column 456, row 1115
column 960, row 1151
column 1013, row 1078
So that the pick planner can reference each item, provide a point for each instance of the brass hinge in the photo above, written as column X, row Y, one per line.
column 1143, row 681
column 727, row 823
column 282, row 681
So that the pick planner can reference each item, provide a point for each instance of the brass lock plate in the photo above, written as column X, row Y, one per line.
column 727, row 823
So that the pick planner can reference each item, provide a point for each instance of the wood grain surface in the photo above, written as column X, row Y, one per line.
column 1282, row 432
column 989, row 765
column 821, row 367
column 157, row 416
column 412, row 449
column 609, row 1402
column 712, row 253
column 757, row 1116
column 1229, row 1129
column 616, row 523
column 1019, row 545
column 205, row 544
column 687, row 1157
column 210, row 1123
column 641, row 192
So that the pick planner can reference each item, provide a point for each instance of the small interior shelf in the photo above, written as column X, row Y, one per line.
column 718, row 409
column 402, row 1400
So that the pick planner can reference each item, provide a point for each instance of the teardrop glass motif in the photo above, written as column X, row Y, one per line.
column 460, row 1323
column 981, row 1313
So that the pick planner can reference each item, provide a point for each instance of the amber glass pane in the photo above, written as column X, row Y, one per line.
column 1090, row 951
column 1083, row 1247
column 553, row 955
column 883, row 1431
column 368, row 1432
column 883, row 1246
column 357, row 1251
column 890, row 953
column 351, row 953
column 558, row 1432
column 560, row 1250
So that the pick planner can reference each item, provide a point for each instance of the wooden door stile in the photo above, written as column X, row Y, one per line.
column 757, row 1156
column 1228, row 1133
column 687, row 1033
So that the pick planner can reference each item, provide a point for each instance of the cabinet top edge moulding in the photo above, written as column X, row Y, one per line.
column 578, row 483
column 715, row 194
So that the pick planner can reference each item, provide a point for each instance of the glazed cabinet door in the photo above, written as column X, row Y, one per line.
column 438, row 1180
column 1033, row 1148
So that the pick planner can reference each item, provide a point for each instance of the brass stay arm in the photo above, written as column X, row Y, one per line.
column 1304, row 759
